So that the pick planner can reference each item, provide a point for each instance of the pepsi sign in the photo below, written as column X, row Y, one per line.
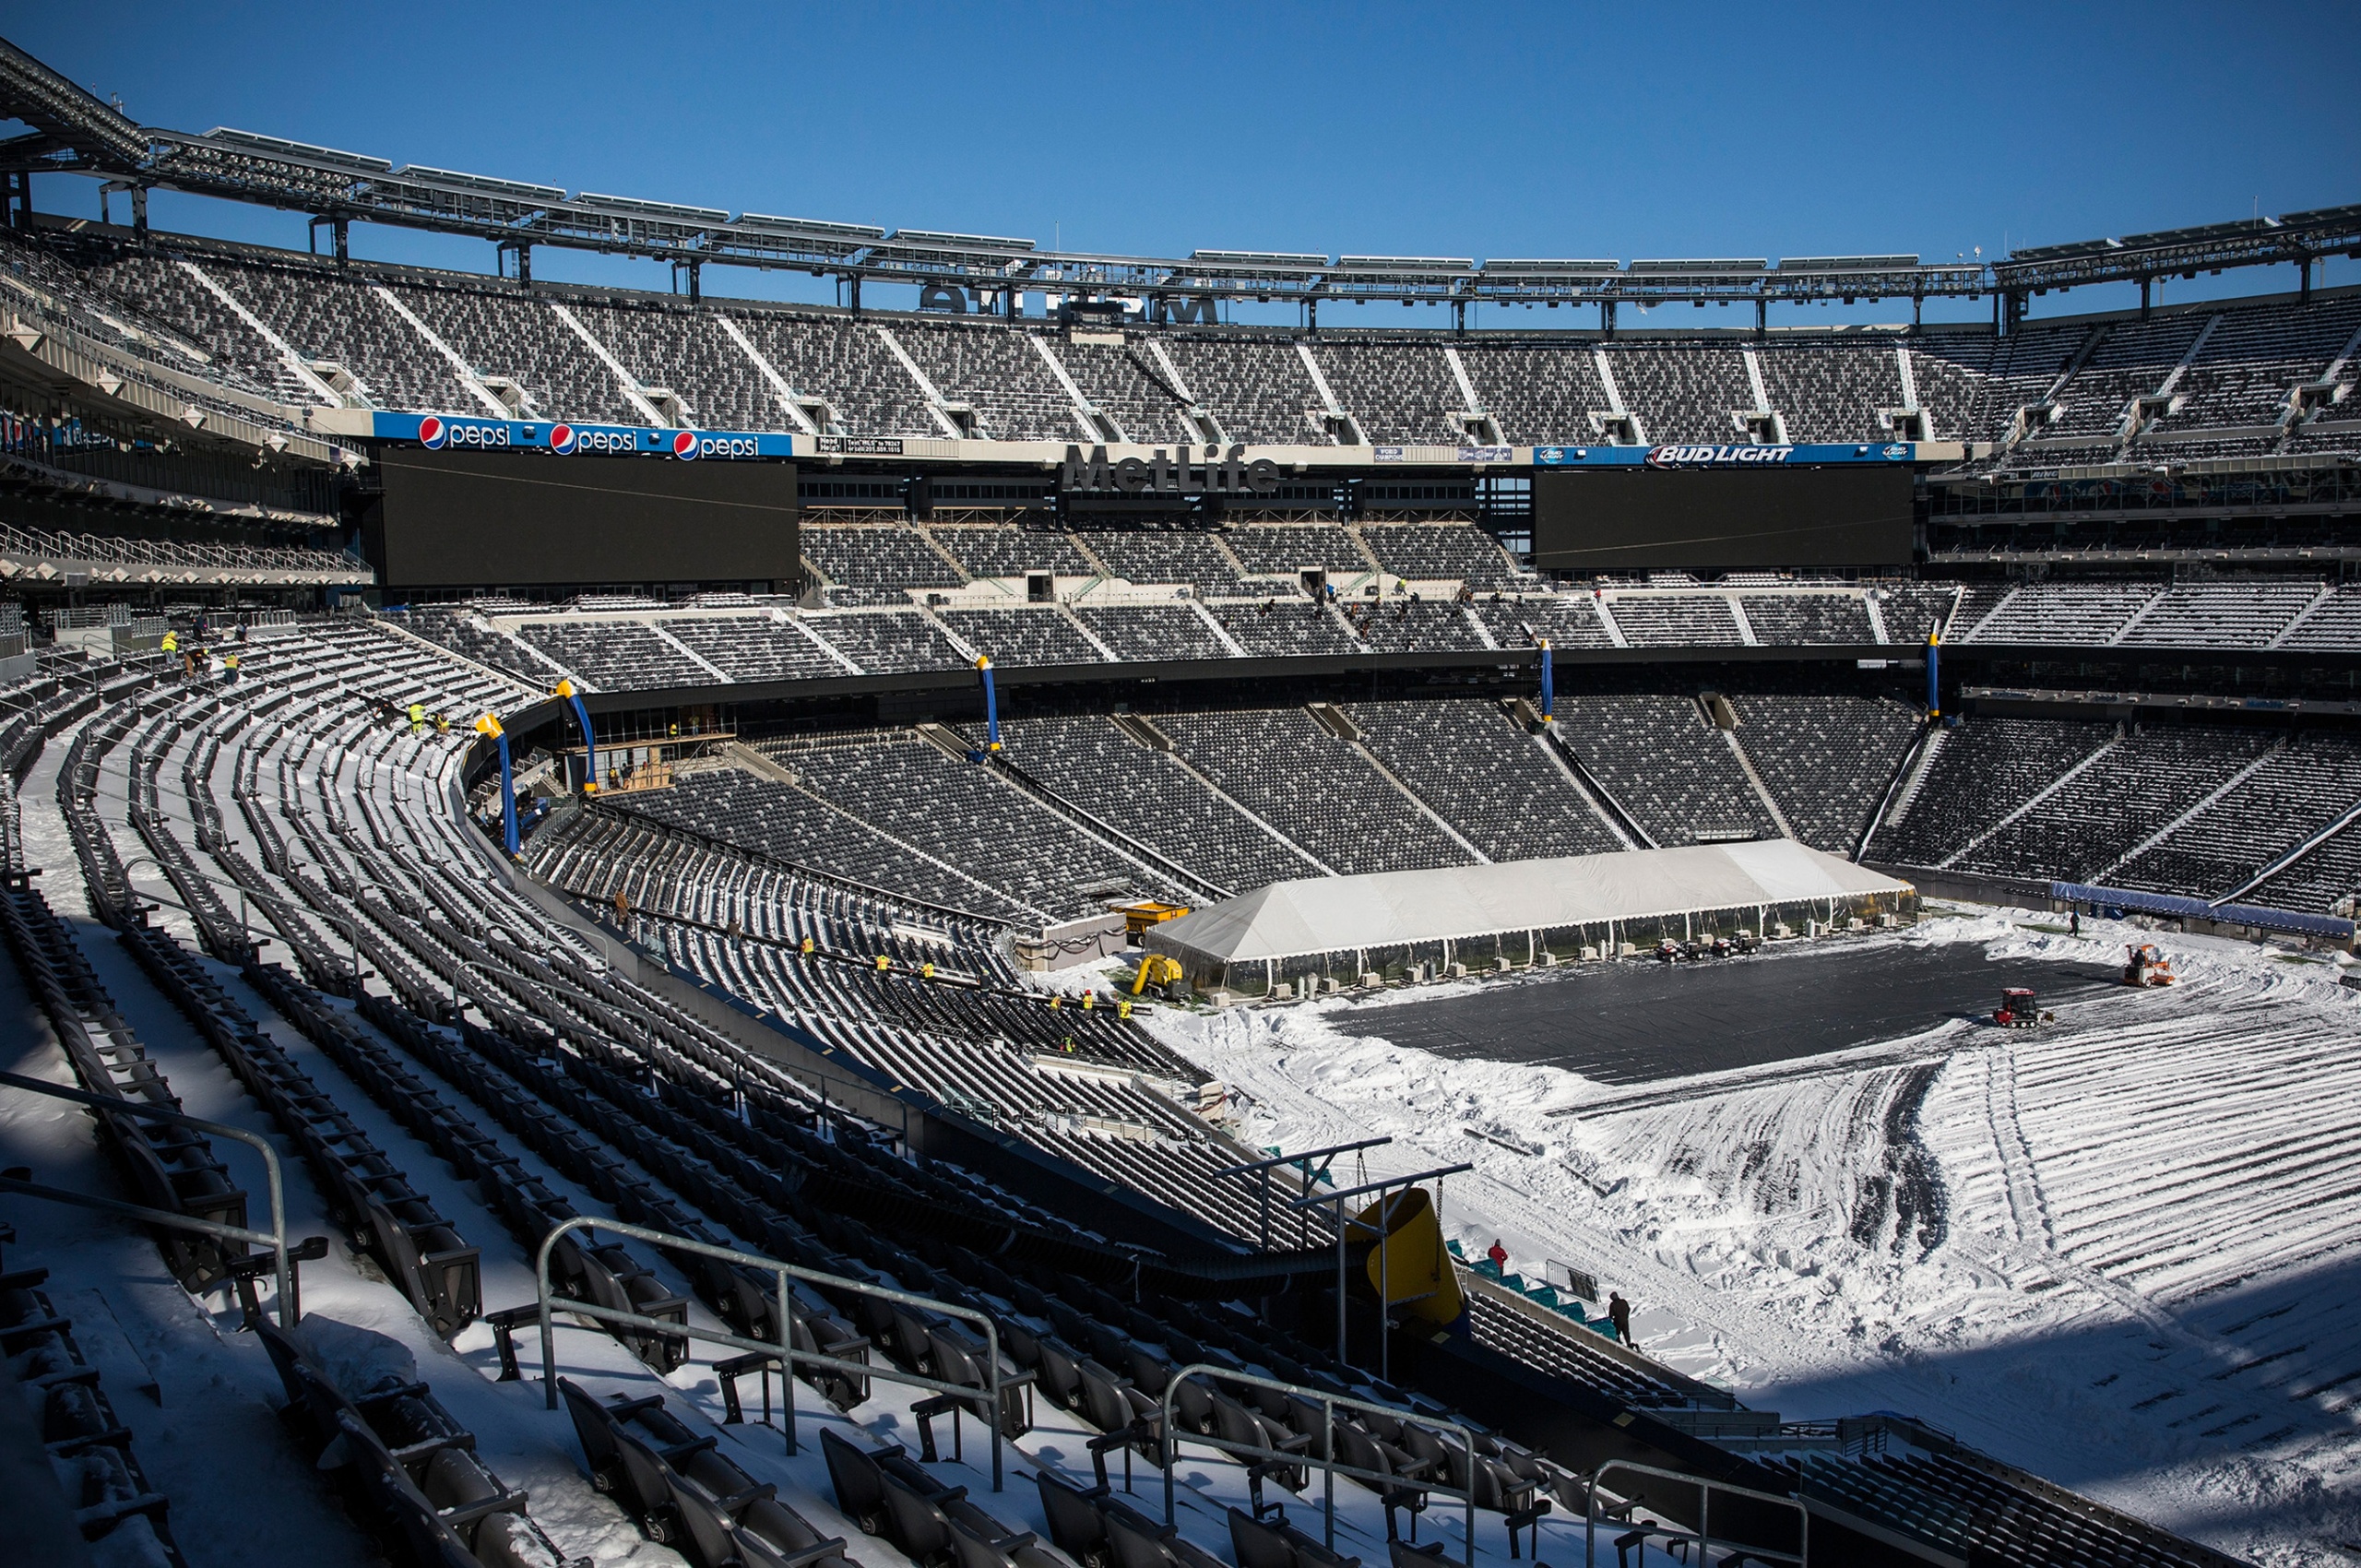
column 611, row 439
column 436, row 432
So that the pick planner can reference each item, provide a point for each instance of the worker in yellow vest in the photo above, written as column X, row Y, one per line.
column 417, row 718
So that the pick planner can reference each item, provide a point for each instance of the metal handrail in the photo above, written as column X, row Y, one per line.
column 784, row 1348
column 1169, row 1446
column 1703, row 1535
column 290, row 1308
column 1302, row 1159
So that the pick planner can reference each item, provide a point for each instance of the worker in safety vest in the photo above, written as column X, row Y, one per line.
column 417, row 717
column 171, row 642
column 229, row 669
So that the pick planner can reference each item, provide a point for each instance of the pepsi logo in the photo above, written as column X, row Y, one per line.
column 684, row 444
column 430, row 433
column 562, row 439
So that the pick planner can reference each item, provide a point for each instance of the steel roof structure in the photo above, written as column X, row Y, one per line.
column 74, row 132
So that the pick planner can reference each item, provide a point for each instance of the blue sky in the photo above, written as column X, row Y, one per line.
column 1512, row 130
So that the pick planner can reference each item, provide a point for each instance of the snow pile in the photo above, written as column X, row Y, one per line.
column 357, row 1361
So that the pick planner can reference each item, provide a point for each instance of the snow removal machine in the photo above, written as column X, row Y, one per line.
column 2145, row 965
column 2018, row 1009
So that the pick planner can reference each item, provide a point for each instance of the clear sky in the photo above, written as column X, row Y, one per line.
column 1492, row 130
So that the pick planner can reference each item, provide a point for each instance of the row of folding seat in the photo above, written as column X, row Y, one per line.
column 605, row 1274
column 682, row 1491
column 420, row 1251
column 88, row 1447
column 581, row 1268
column 407, row 1469
column 428, row 1488
column 846, row 980
column 2013, row 1523
column 544, row 1108
column 166, row 1166
column 885, row 1493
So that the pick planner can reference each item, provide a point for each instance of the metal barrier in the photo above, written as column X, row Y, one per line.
column 790, row 1357
column 1327, row 1462
column 290, row 1308
column 1703, row 1534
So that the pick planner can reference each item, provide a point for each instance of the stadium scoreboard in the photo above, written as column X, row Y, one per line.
column 1710, row 519
column 461, row 519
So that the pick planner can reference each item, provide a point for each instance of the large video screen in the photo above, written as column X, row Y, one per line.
column 464, row 520
column 1713, row 520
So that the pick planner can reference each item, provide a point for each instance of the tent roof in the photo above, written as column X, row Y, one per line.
column 1332, row 914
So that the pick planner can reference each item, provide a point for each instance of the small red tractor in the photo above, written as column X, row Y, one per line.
column 2018, row 1009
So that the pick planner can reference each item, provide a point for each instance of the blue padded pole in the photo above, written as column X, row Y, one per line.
column 991, row 706
column 1934, row 673
column 1549, row 685
column 507, row 797
column 590, row 746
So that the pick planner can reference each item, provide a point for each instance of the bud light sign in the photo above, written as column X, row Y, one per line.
column 438, row 432
column 1723, row 456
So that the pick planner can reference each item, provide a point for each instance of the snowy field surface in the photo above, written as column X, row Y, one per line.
column 2122, row 1250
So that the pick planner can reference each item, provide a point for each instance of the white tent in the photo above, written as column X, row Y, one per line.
column 1404, row 908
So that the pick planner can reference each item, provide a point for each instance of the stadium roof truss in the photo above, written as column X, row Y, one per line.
column 74, row 132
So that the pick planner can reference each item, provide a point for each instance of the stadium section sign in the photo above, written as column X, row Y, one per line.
column 1461, row 455
column 1741, row 457
column 455, row 432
